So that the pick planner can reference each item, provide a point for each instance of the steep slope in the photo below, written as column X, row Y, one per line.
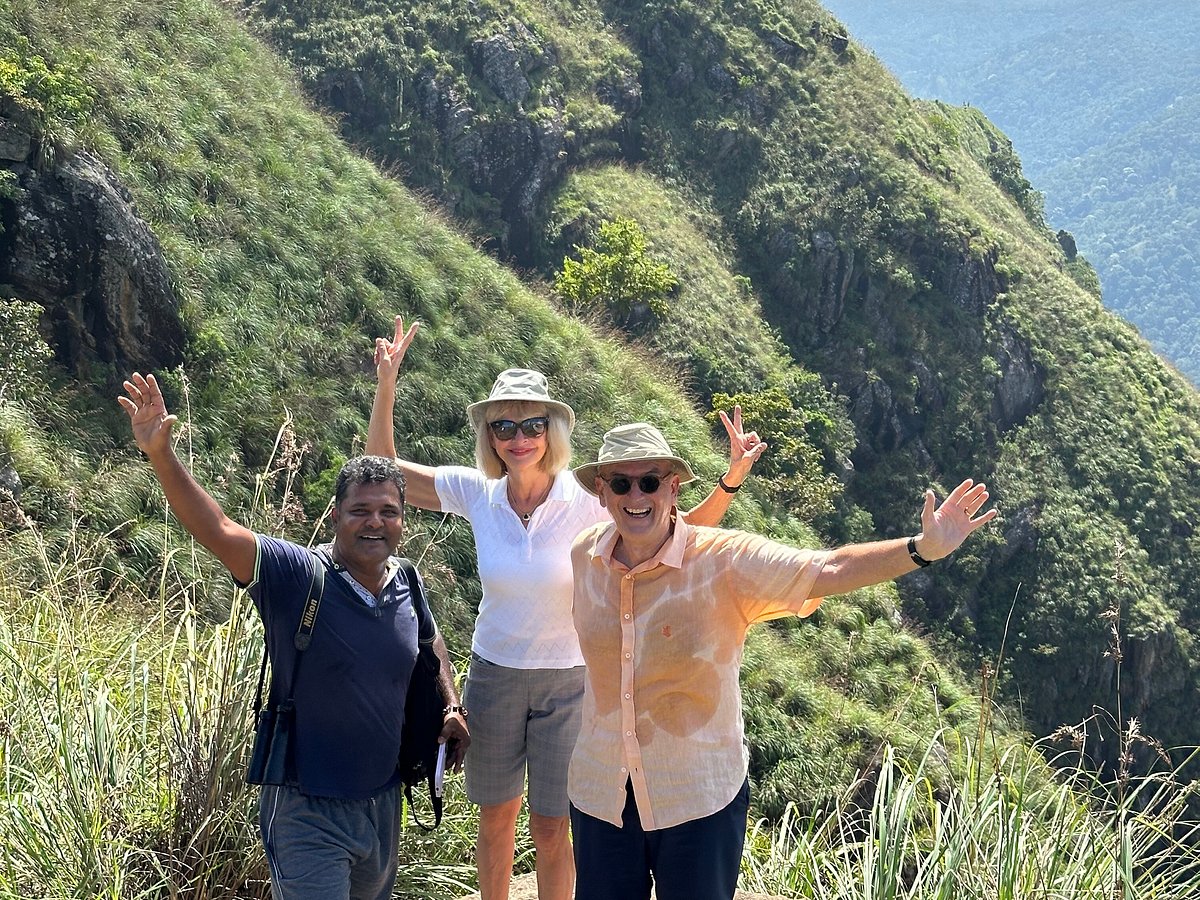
column 895, row 247
column 1101, row 107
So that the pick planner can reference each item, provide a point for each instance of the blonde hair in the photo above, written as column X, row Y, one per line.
column 558, row 436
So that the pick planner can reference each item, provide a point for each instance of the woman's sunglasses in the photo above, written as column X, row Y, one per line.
column 506, row 429
column 623, row 484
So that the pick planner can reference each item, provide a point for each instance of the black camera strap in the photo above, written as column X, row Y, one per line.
column 303, row 637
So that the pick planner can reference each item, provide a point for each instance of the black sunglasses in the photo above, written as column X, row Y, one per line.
column 506, row 429
column 623, row 484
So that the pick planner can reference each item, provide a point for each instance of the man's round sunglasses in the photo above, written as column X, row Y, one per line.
column 506, row 429
column 623, row 484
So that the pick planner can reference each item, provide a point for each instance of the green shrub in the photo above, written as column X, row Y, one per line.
column 23, row 352
column 617, row 275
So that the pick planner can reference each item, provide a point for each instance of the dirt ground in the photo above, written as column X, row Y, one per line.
column 524, row 887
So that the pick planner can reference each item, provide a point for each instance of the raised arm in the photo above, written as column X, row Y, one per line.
column 233, row 544
column 942, row 532
column 420, row 490
column 744, row 451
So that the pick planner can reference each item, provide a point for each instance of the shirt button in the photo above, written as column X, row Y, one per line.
column 627, row 696
column 629, row 734
column 623, row 770
column 628, row 577
column 629, row 656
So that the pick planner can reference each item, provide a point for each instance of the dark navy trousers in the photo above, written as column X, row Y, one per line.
column 697, row 860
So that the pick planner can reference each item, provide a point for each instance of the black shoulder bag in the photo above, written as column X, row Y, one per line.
column 271, row 759
column 424, row 708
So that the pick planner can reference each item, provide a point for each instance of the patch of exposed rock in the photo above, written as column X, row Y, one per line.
column 74, row 243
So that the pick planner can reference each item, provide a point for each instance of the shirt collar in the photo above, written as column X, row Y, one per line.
column 669, row 554
column 325, row 551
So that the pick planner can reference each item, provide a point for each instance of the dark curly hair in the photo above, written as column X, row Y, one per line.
column 368, row 470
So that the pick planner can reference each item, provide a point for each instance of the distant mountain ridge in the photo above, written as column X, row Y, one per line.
column 1102, row 106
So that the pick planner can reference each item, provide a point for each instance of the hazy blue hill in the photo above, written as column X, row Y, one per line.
column 1100, row 104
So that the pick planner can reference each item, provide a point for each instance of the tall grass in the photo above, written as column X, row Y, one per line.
column 1005, row 837
column 127, row 721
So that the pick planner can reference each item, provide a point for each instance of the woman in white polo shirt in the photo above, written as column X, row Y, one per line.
column 525, row 683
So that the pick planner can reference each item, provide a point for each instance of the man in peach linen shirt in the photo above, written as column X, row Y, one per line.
column 658, row 780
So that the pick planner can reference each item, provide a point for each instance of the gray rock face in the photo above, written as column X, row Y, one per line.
column 515, row 156
column 10, row 483
column 500, row 64
column 1021, row 385
column 623, row 92
column 15, row 142
column 503, row 60
column 1020, row 535
column 973, row 283
column 441, row 104
column 833, row 269
column 516, row 161
column 74, row 243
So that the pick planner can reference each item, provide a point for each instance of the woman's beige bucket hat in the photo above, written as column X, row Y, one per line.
column 524, row 385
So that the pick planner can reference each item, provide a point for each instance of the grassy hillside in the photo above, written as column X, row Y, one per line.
column 125, row 656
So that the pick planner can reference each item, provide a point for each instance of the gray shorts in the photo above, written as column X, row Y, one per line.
column 521, row 718
column 320, row 848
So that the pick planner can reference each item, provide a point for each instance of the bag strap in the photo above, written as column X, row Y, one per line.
column 420, row 604
column 303, row 636
column 424, row 617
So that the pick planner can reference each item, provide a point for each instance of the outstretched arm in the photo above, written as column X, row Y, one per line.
column 233, row 544
column 942, row 532
column 455, row 734
column 419, row 480
column 744, row 451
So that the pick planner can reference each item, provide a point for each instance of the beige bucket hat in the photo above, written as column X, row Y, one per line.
column 523, row 385
column 638, row 442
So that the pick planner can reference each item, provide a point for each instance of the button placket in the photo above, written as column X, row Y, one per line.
column 628, row 713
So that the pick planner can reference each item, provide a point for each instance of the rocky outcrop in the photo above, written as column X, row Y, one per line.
column 972, row 281
column 10, row 483
column 516, row 161
column 517, row 155
column 16, row 143
column 504, row 60
column 73, row 242
column 833, row 269
column 441, row 104
column 621, row 91
column 1021, row 384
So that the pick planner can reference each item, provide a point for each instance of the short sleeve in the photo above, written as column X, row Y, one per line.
column 458, row 487
column 772, row 580
column 283, row 576
column 279, row 564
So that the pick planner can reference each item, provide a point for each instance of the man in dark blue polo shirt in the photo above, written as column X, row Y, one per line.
column 332, row 830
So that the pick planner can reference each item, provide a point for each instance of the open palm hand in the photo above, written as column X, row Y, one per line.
column 147, row 413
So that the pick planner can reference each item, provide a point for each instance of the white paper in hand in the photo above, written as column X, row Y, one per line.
column 439, row 772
